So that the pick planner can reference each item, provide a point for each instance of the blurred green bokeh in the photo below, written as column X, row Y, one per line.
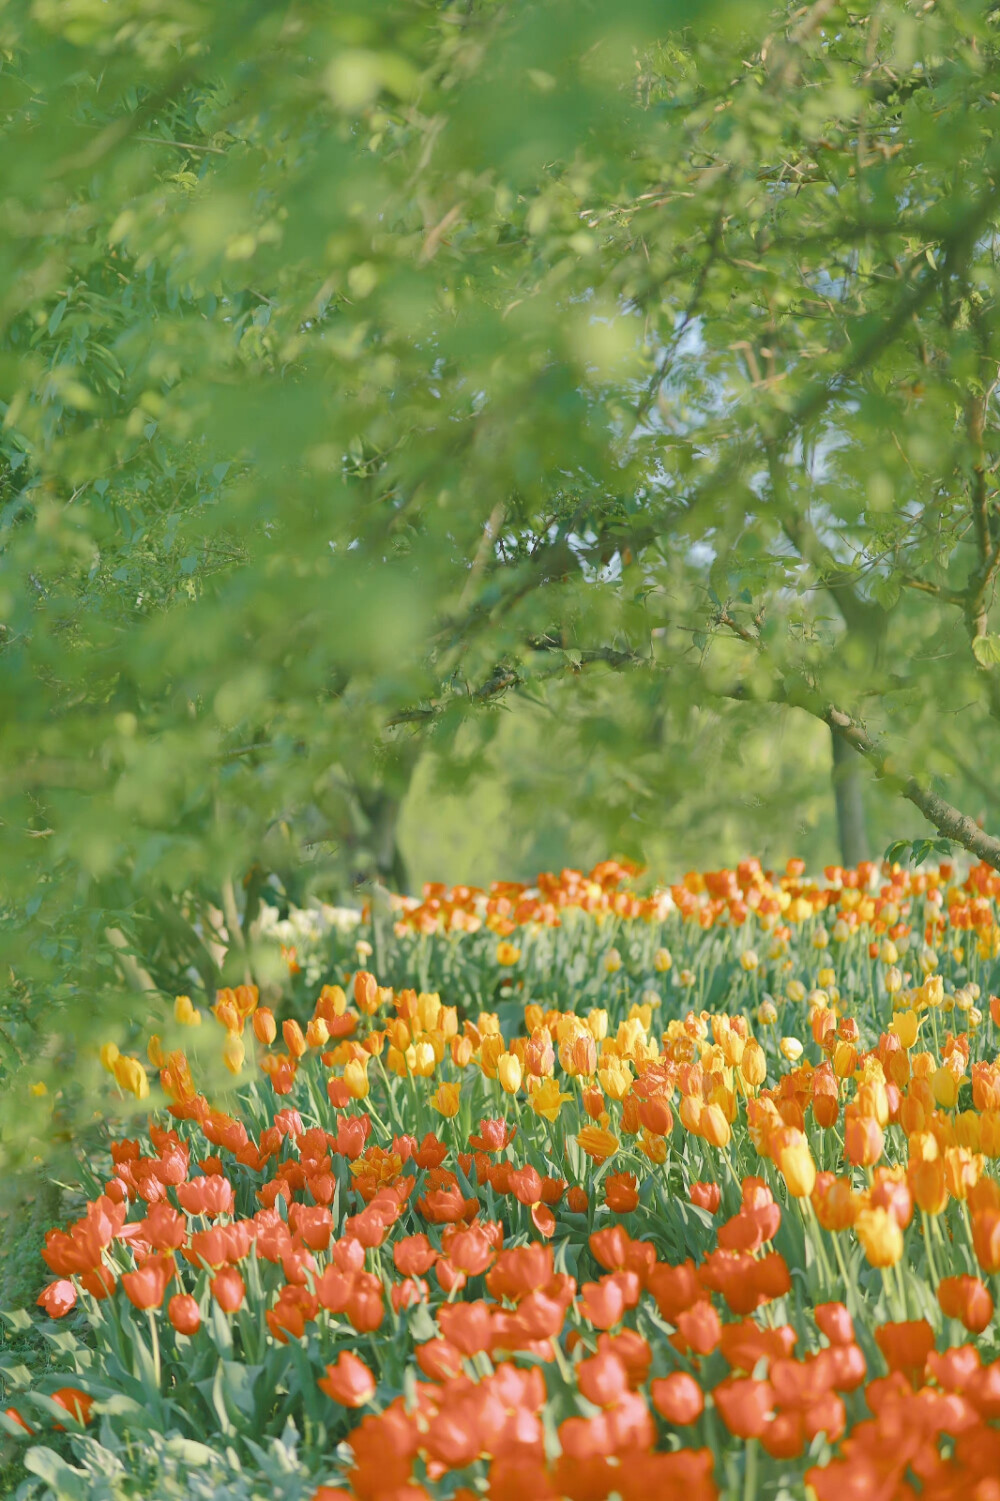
column 442, row 440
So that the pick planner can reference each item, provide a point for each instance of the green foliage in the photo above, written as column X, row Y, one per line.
column 364, row 369
column 165, row 1469
column 918, row 850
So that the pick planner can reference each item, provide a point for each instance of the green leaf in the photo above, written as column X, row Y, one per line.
column 65, row 1481
column 986, row 650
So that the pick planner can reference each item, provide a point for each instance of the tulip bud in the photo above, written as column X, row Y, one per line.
column 796, row 1165
column 233, row 1052
column 945, row 1087
column 184, row 1314
column 356, row 1079
column 509, row 1072
column 753, row 1065
column 109, row 1056
column 185, row 1013
column 366, row 994
column 880, row 1236
column 714, row 1127
column 264, row 1026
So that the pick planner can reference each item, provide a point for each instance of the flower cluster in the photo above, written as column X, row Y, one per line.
column 668, row 1195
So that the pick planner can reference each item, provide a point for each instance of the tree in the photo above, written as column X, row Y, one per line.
column 366, row 368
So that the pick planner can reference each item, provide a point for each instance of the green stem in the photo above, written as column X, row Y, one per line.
column 154, row 1340
column 928, row 1237
column 750, row 1471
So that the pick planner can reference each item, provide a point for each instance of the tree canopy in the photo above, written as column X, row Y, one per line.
column 366, row 369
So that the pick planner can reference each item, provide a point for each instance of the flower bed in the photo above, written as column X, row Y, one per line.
column 687, row 1194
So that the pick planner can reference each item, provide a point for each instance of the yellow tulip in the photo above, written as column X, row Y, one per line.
column 445, row 1100
column 597, row 1143
column 796, row 1165
column 109, row 1056
column 185, row 1013
column 615, row 1076
column 880, row 1236
column 509, row 1072
column 597, row 1023
column 131, row 1076
column 547, row 1099
column 791, row 1049
column 753, row 1065
column 356, row 1079
column 714, row 1126
column 424, row 1059
column 233, row 1052
column 906, row 1025
column 945, row 1088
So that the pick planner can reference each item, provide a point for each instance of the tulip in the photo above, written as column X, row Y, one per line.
column 184, row 1313
column 130, row 1076
column 744, row 1405
column 445, row 1100
column 715, row 1128
column 880, row 1237
column 863, row 1139
column 356, row 1079
column 833, row 1320
column 796, row 1165
column 602, row 1303
column 602, row 1379
column 986, row 1239
column 700, row 1327
column 185, row 1013
column 621, row 1192
column 233, row 1052
column 349, row 1381
column 706, row 1195
column 968, row 1300
column 547, row 1099
column 264, row 1025
column 927, row 1184
column 906, row 1346
column 597, row 1143
column 678, row 1398
column 509, row 1072
column 906, row 1025
column 58, row 1298
column 146, row 1286
column 75, row 1402
column 228, row 1289
column 366, row 992
column 753, row 1065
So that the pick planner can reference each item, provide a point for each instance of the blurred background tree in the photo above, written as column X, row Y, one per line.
column 447, row 437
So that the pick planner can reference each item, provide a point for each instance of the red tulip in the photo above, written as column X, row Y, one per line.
column 58, row 1298
column 228, row 1289
column 145, row 1287
column 678, row 1398
column 184, row 1313
column 349, row 1382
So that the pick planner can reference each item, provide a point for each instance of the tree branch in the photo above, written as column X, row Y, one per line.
column 947, row 819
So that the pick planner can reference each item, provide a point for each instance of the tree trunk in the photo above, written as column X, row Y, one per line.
column 848, row 792
column 380, row 800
